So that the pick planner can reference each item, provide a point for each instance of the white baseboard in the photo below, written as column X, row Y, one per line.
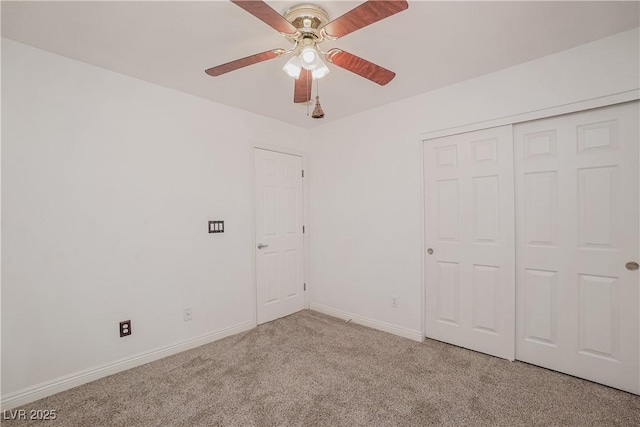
column 39, row 391
column 365, row 321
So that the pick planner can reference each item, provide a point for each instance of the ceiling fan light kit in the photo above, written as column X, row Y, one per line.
column 307, row 26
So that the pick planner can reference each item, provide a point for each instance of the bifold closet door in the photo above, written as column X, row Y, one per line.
column 577, row 239
column 470, row 289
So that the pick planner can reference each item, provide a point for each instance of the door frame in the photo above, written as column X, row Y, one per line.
column 558, row 110
column 305, row 219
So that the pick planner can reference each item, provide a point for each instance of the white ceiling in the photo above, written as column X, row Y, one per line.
column 430, row 45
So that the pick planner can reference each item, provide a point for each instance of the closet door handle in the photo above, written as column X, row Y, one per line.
column 631, row 266
column 260, row 246
column 430, row 251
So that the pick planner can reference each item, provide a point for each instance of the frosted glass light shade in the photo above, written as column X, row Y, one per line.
column 320, row 71
column 293, row 67
column 309, row 58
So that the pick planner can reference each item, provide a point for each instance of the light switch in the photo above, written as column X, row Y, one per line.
column 216, row 226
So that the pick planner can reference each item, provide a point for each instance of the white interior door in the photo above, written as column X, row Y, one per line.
column 577, row 227
column 279, row 255
column 470, row 289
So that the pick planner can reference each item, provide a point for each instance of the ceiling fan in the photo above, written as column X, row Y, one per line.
column 307, row 26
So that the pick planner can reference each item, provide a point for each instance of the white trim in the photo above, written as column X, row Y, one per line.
column 603, row 101
column 47, row 388
column 423, row 244
column 365, row 321
column 279, row 149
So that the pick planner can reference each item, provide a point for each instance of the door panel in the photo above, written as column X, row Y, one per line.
column 577, row 226
column 279, row 259
column 469, row 225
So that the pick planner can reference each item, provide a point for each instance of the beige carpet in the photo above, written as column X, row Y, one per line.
column 311, row 369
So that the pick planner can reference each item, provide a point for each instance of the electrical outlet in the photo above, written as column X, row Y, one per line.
column 125, row 328
column 187, row 314
column 394, row 301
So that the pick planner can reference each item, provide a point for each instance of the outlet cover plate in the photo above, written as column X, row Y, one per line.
column 125, row 328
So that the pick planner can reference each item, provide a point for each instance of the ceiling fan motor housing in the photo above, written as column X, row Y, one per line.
column 307, row 18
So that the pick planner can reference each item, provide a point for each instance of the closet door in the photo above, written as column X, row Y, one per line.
column 576, row 241
column 470, row 239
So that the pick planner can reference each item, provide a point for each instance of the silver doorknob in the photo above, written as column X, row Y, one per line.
column 632, row 266
column 430, row 251
column 260, row 246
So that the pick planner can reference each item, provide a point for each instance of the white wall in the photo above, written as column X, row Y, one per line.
column 108, row 182
column 107, row 186
column 366, row 177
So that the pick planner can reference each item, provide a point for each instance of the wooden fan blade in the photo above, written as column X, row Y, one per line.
column 365, row 14
column 266, row 14
column 302, row 88
column 360, row 66
column 244, row 62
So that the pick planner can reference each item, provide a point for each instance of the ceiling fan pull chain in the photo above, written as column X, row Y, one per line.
column 317, row 111
column 308, row 91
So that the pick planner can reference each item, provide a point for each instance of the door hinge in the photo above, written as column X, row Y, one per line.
column 305, row 286
column 303, row 229
column 303, row 173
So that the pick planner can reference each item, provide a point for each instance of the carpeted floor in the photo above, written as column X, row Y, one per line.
column 311, row 369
